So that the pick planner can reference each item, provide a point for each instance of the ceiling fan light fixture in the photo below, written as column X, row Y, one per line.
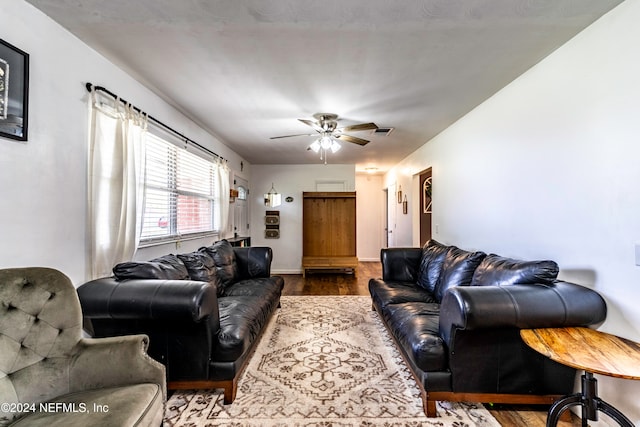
column 326, row 124
column 315, row 146
column 335, row 147
column 326, row 142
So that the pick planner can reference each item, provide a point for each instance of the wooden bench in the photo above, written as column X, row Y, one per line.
column 329, row 263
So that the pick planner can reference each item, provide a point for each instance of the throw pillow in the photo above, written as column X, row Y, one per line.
column 457, row 270
column 168, row 267
column 224, row 259
column 200, row 266
column 433, row 254
column 497, row 270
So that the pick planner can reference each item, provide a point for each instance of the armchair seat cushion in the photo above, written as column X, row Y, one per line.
column 415, row 326
column 134, row 405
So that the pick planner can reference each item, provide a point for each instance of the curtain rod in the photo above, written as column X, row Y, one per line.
column 91, row 87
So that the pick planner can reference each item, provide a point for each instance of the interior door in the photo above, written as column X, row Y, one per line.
column 392, row 206
column 241, row 208
column 425, row 206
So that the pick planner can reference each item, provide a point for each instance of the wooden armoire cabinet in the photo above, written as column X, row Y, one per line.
column 329, row 231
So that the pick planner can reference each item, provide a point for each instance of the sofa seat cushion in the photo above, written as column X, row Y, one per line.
column 263, row 287
column 134, row 405
column 241, row 320
column 415, row 327
column 500, row 271
column 391, row 292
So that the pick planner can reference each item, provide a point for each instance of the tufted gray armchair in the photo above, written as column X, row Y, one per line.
column 51, row 376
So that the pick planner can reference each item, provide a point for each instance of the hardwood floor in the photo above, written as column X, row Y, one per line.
column 326, row 283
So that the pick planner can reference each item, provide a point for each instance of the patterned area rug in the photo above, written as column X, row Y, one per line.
column 322, row 361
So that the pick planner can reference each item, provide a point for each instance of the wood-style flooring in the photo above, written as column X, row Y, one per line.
column 327, row 283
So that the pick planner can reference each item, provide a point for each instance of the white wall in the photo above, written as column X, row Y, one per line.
column 43, row 181
column 370, row 217
column 289, row 180
column 549, row 167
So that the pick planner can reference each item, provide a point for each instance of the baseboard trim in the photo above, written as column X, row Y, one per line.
column 292, row 271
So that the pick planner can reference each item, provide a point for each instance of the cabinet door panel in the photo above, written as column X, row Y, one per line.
column 329, row 224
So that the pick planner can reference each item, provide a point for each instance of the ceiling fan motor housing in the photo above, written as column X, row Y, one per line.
column 327, row 121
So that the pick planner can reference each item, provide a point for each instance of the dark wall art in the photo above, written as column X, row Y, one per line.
column 14, row 92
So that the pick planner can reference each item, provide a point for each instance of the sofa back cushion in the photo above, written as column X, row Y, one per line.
column 497, row 270
column 167, row 267
column 457, row 270
column 433, row 254
column 226, row 266
column 200, row 266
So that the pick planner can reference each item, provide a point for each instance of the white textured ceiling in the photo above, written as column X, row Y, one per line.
column 247, row 70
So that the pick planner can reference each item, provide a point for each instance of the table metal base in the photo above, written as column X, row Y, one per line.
column 590, row 402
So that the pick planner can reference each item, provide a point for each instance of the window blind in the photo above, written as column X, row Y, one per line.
column 180, row 192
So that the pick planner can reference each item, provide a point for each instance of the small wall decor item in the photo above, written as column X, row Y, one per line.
column 272, row 219
column 272, row 225
column 233, row 195
column 272, row 198
column 14, row 91
column 405, row 207
column 399, row 194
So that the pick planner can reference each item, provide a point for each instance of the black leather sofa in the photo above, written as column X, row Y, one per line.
column 203, row 311
column 456, row 318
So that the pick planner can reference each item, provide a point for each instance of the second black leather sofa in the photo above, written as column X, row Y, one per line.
column 456, row 317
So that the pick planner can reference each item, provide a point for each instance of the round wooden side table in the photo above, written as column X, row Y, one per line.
column 593, row 352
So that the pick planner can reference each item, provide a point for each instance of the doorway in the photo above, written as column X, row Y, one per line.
column 241, row 208
column 392, row 205
column 426, row 181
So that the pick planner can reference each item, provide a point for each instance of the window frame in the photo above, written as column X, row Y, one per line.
column 174, row 193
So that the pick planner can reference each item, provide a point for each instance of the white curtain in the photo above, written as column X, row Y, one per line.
column 223, row 183
column 116, row 183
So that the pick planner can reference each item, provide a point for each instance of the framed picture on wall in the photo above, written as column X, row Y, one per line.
column 14, row 92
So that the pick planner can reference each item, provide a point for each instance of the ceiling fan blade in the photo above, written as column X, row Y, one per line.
column 353, row 139
column 289, row 136
column 361, row 126
column 312, row 124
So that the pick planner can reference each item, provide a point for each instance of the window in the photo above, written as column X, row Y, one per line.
column 181, row 193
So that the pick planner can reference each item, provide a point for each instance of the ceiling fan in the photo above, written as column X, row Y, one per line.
column 326, row 124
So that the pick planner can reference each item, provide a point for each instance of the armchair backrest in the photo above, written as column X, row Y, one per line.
column 40, row 325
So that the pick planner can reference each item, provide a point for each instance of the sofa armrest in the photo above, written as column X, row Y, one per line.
column 400, row 264
column 559, row 304
column 179, row 300
column 114, row 361
column 253, row 261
